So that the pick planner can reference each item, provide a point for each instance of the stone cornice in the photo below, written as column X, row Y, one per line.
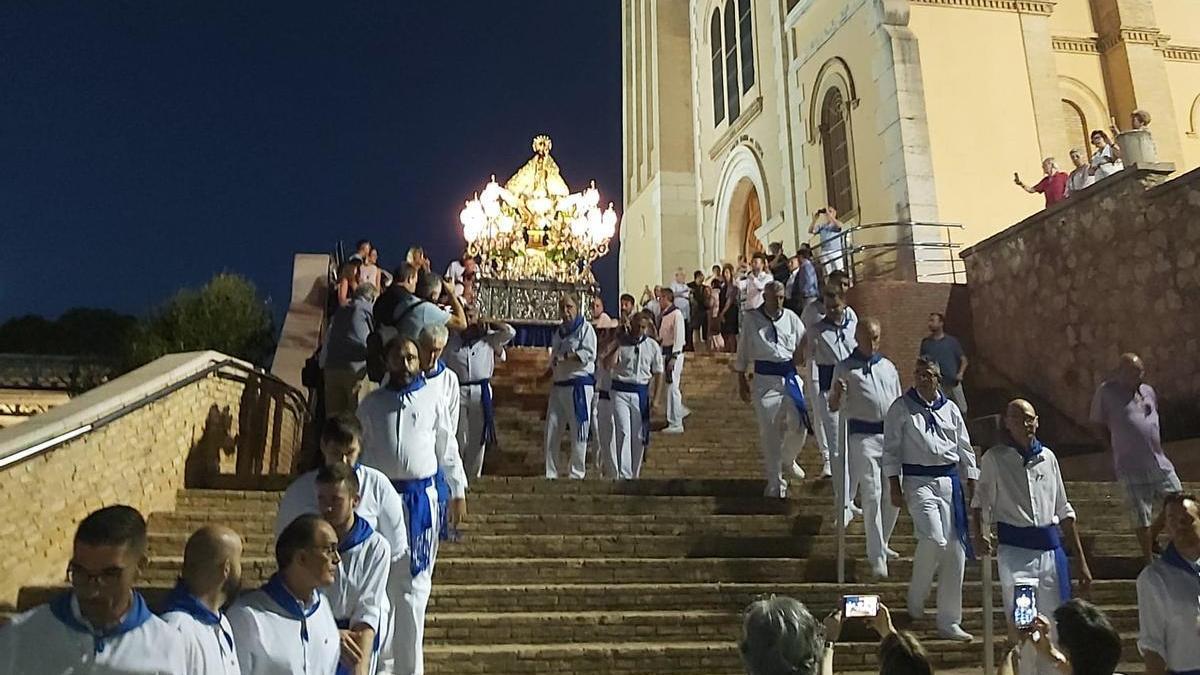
column 1043, row 7
column 1182, row 53
column 726, row 139
column 1075, row 45
column 1135, row 35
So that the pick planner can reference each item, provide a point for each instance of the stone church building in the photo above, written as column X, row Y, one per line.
column 743, row 117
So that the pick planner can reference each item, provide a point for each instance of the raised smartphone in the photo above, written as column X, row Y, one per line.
column 859, row 605
column 1024, row 605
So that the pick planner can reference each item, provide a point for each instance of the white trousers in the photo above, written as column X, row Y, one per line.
column 674, row 405
column 606, row 448
column 825, row 423
column 470, row 429
column 410, row 597
column 863, row 453
column 628, row 450
column 809, row 376
column 560, row 416
column 939, row 553
column 1022, row 565
column 778, row 421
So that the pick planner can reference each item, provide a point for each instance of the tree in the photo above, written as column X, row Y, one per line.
column 225, row 315
column 80, row 331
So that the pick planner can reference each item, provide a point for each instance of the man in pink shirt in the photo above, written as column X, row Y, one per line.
column 1053, row 185
column 672, row 334
column 1125, row 414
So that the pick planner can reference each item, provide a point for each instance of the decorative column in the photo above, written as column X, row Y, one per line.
column 1043, row 77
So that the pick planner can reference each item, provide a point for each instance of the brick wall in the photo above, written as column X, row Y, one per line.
column 219, row 426
column 1057, row 297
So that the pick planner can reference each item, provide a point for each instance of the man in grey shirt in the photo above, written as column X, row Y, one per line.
column 946, row 350
column 346, row 380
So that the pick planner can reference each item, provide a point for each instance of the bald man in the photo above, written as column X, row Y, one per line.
column 212, row 576
column 1125, row 416
column 1020, row 491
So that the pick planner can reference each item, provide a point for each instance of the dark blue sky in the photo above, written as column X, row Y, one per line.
column 145, row 146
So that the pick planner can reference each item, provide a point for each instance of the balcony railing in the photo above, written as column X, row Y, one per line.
column 911, row 251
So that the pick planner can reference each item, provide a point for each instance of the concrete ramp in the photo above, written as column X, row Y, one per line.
column 304, row 326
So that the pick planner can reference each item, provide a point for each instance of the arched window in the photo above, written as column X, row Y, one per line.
column 732, row 91
column 839, row 184
column 746, row 35
column 718, row 69
column 1076, row 126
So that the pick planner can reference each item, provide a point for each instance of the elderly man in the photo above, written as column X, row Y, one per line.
column 408, row 435
column 430, row 346
column 1020, row 490
column 472, row 355
column 1125, row 416
column 1168, row 599
column 769, row 345
column 286, row 626
column 925, row 441
column 211, row 579
column 1053, row 185
column 780, row 636
column 865, row 385
column 101, row 625
column 358, row 594
column 635, row 364
column 671, row 332
column 1079, row 177
column 812, row 314
column 833, row 340
column 345, row 354
column 572, row 367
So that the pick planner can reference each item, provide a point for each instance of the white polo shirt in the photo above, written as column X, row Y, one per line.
column 276, row 640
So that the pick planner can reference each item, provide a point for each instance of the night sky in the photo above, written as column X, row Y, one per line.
column 145, row 146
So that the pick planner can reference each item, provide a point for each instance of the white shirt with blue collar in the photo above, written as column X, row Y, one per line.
column 276, row 635
column 1168, row 591
column 358, row 594
column 579, row 339
column 916, row 434
column 209, row 632
column 378, row 504
column 476, row 360
column 55, row 639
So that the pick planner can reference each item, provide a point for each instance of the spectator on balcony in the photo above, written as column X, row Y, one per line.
column 361, row 250
column 831, row 232
column 211, row 579
column 777, row 263
column 781, row 637
column 345, row 352
column 1079, row 178
column 102, row 622
column 1168, row 602
column 1053, row 185
column 1107, row 159
column 751, row 284
column 1125, row 416
column 348, row 278
column 1139, row 120
column 948, row 353
column 1087, row 643
column 287, row 626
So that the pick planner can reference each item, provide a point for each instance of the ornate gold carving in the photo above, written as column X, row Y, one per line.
column 528, row 300
column 1043, row 7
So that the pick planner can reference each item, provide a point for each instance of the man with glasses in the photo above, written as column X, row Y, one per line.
column 211, row 579
column 101, row 624
column 287, row 626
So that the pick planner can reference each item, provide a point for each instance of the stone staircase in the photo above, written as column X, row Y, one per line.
column 649, row 576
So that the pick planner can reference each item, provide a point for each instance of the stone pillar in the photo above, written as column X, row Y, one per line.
column 1043, row 81
column 1135, row 73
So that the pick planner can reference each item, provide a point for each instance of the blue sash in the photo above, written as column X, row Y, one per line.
column 824, row 377
column 566, row 330
column 1040, row 539
column 137, row 615
column 275, row 590
column 643, row 393
column 957, row 496
column 582, row 405
column 489, row 409
column 787, row 370
column 863, row 427
column 414, row 495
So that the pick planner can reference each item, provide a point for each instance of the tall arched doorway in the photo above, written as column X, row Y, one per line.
column 745, row 217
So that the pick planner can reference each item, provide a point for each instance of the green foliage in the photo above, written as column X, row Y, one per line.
column 225, row 315
column 81, row 331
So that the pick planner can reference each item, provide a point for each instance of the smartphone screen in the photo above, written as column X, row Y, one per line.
column 860, row 605
column 1024, row 605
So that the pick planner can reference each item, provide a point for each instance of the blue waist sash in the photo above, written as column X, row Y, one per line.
column 958, row 498
column 824, row 377
column 1040, row 539
column 864, row 427
column 582, row 404
column 787, row 370
column 489, row 410
column 414, row 495
column 643, row 394
column 604, row 395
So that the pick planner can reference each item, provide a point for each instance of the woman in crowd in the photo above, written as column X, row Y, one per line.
column 348, row 280
column 729, row 308
column 1107, row 159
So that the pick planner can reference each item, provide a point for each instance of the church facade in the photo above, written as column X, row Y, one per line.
column 743, row 117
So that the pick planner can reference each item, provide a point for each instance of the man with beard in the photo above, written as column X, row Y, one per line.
column 211, row 579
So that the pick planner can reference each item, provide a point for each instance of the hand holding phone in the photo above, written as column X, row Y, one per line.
column 1024, row 605
column 857, row 606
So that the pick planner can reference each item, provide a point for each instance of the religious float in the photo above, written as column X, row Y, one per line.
column 533, row 240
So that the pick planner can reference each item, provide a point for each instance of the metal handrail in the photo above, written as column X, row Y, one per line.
column 215, row 367
column 838, row 248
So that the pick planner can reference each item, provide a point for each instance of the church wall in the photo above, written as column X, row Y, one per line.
column 1184, row 79
column 1081, row 81
column 1073, row 18
column 1180, row 19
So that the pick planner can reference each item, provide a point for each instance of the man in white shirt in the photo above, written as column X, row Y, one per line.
column 379, row 505
column 865, row 385
column 751, row 286
column 769, row 345
column 358, row 594
column 602, row 404
column 212, row 577
column 925, row 440
column 1020, row 491
column 833, row 340
column 811, row 315
column 286, row 626
column 408, row 435
column 101, row 625
column 1168, row 592
column 572, row 369
column 472, row 355
column 672, row 332
column 430, row 345
column 635, row 364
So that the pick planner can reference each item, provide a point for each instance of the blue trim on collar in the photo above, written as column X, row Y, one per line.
column 359, row 532
column 182, row 600
column 137, row 615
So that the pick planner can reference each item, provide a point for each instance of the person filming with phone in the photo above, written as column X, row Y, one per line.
column 1020, row 491
column 900, row 652
column 1088, row 644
